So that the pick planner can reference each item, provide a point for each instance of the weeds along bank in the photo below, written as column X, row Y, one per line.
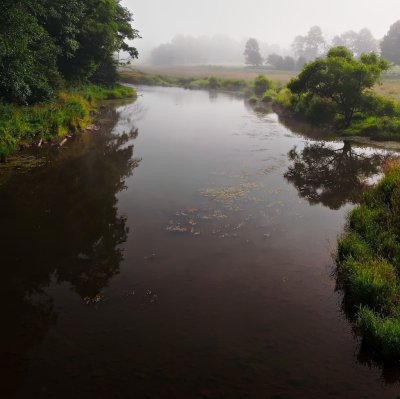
column 369, row 265
column 70, row 112
column 250, row 89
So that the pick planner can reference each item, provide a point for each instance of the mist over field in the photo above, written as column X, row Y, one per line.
column 273, row 24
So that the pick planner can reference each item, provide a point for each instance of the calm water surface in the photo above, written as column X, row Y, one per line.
column 182, row 251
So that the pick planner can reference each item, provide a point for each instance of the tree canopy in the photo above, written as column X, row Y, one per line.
column 252, row 53
column 44, row 43
column 310, row 46
column 390, row 44
column 358, row 42
column 340, row 79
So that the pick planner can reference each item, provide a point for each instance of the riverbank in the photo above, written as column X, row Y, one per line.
column 381, row 127
column 70, row 112
column 368, row 262
column 249, row 89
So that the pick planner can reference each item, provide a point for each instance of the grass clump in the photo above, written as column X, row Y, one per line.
column 368, row 261
column 93, row 93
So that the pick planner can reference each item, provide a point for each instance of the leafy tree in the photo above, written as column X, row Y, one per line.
column 275, row 60
column 44, row 42
column 359, row 43
column 278, row 62
column 28, row 56
column 341, row 79
column 104, row 27
column 310, row 46
column 252, row 53
column 289, row 64
column 390, row 44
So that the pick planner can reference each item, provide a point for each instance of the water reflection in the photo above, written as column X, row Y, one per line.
column 331, row 176
column 59, row 223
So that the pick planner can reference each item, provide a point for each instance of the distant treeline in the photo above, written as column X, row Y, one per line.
column 218, row 49
column 221, row 49
column 46, row 44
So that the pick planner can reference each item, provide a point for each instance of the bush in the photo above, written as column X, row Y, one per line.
column 320, row 110
column 253, row 99
column 261, row 85
column 269, row 96
column 375, row 105
column 285, row 98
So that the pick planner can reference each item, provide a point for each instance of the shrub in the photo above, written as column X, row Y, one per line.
column 253, row 100
column 320, row 110
column 269, row 96
column 261, row 85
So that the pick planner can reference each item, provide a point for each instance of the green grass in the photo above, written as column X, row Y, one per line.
column 368, row 262
column 70, row 112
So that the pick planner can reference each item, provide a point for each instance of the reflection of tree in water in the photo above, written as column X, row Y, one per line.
column 60, row 223
column 332, row 177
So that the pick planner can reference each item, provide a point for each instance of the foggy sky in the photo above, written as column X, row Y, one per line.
column 277, row 21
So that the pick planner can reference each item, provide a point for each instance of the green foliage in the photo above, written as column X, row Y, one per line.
column 253, row 99
column 70, row 112
column 352, row 246
column 372, row 283
column 286, row 99
column 390, row 44
column 381, row 333
column 369, row 264
column 378, row 128
column 28, row 56
column 341, row 79
column 261, row 85
column 320, row 110
column 269, row 96
column 94, row 93
column 45, row 42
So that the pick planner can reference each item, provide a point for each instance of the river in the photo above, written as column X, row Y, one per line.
column 184, row 250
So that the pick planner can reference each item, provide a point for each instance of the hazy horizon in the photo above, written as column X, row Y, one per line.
column 268, row 21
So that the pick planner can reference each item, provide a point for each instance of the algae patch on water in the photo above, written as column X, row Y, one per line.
column 228, row 195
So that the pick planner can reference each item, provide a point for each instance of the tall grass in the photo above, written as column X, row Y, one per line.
column 68, row 113
column 368, row 262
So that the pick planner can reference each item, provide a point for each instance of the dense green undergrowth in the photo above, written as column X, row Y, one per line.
column 379, row 119
column 69, row 112
column 369, row 265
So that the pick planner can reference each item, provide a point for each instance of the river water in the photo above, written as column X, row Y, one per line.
column 184, row 250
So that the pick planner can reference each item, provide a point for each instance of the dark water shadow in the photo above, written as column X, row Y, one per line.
column 331, row 176
column 59, row 224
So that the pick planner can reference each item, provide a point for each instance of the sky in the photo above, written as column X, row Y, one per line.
column 277, row 21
